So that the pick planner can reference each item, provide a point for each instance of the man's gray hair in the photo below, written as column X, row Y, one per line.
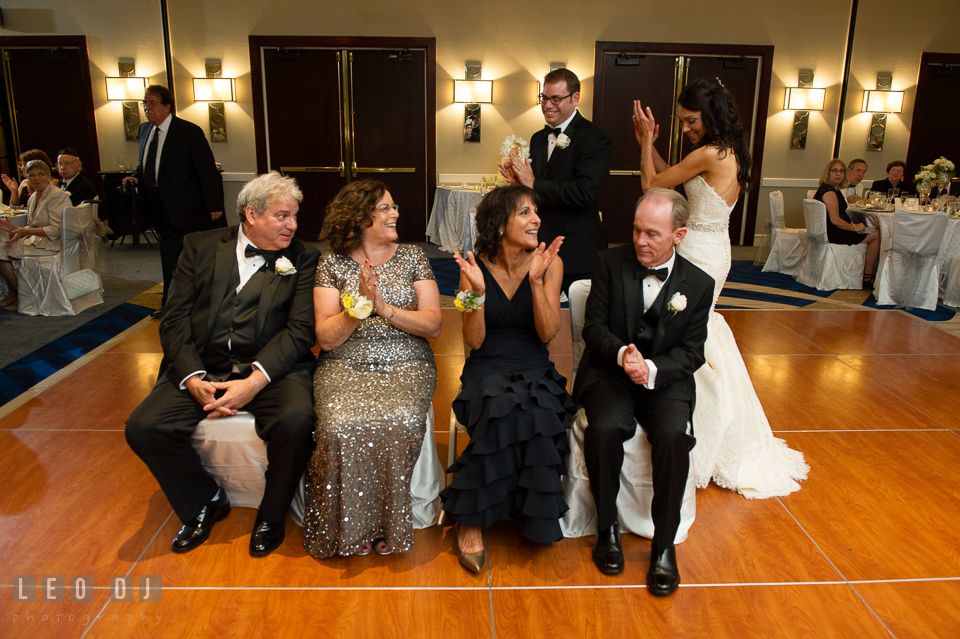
column 264, row 189
column 679, row 213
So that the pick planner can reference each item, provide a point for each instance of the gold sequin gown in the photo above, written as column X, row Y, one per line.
column 371, row 395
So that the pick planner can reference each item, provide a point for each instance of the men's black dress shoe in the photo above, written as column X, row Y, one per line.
column 607, row 551
column 157, row 314
column 195, row 532
column 664, row 576
column 267, row 537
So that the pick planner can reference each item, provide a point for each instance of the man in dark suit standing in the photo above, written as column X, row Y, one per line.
column 645, row 326
column 569, row 159
column 72, row 180
column 237, row 334
column 181, row 189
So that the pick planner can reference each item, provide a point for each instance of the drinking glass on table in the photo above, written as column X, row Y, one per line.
column 893, row 194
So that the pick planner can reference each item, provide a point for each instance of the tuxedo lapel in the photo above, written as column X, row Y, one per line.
column 538, row 154
column 631, row 292
column 676, row 283
column 570, row 132
column 268, row 292
column 224, row 263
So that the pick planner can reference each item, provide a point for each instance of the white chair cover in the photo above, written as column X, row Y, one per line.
column 951, row 292
column 636, row 487
column 910, row 277
column 39, row 277
column 786, row 251
column 237, row 459
column 827, row 266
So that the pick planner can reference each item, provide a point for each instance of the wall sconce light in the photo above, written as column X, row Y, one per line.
column 129, row 89
column 472, row 92
column 553, row 67
column 216, row 91
column 802, row 99
column 881, row 102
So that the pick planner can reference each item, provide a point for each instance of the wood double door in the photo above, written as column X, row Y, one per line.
column 332, row 111
column 656, row 74
column 935, row 129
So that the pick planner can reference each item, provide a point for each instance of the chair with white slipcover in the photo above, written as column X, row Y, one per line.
column 786, row 251
column 910, row 277
column 826, row 266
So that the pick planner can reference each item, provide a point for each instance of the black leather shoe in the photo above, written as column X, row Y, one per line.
column 663, row 576
column 267, row 537
column 157, row 314
column 195, row 532
column 607, row 551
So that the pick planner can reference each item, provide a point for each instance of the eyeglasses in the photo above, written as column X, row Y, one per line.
column 151, row 103
column 555, row 99
column 36, row 176
column 385, row 208
column 837, row 171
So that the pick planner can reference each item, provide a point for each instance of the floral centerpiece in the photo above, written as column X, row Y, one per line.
column 931, row 172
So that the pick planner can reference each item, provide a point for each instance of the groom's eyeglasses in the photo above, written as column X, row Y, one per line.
column 555, row 99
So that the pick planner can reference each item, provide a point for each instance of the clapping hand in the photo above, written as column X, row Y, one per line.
column 7, row 225
column 633, row 364
column 522, row 170
column 644, row 126
column 9, row 182
column 471, row 271
column 543, row 258
column 507, row 173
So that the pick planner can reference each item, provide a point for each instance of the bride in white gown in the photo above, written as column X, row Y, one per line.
column 735, row 446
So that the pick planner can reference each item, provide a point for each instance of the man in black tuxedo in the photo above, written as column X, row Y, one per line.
column 569, row 159
column 181, row 189
column 644, row 329
column 237, row 333
column 72, row 180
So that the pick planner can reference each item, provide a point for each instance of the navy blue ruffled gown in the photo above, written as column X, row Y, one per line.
column 516, row 410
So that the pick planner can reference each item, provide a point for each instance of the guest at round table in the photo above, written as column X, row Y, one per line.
column 41, row 234
column 513, row 401
column 374, row 379
column 840, row 230
column 20, row 194
column 895, row 179
column 855, row 172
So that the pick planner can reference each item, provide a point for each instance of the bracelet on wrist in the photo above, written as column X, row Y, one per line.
column 394, row 309
column 468, row 301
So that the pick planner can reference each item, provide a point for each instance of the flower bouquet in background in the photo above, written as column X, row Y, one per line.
column 938, row 173
column 512, row 144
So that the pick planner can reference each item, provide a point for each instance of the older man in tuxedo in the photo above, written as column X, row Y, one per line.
column 181, row 189
column 237, row 333
column 569, row 159
column 645, row 326
column 72, row 179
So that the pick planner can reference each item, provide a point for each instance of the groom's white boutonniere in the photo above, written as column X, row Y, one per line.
column 677, row 304
column 284, row 267
column 563, row 141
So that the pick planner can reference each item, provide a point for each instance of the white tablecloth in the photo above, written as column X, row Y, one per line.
column 452, row 222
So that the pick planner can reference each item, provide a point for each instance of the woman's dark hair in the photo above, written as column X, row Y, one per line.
column 349, row 213
column 494, row 210
column 722, row 124
column 897, row 163
column 34, row 154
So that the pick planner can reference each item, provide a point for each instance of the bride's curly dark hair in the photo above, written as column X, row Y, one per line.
column 722, row 124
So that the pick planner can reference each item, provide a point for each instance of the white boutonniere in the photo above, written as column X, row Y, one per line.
column 677, row 304
column 563, row 141
column 356, row 305
column 284, row 267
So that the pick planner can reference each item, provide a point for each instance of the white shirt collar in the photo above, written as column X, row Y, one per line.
column 668, row 264
column 165, row 125
column 242, row 242
column 565, row 123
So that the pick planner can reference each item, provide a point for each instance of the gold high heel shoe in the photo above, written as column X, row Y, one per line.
column 472, row 561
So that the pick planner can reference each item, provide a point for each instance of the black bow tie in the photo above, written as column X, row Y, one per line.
column 659, row 273
column 269, row 256
column 549, row 129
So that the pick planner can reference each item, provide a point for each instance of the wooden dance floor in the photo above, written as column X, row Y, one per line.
column 867, row 548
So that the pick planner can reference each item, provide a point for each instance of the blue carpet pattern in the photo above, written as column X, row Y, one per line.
column 47, row 360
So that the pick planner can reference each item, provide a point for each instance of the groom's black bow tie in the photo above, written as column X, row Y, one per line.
column 659, row 273
column 549, row 129
column 269, row 256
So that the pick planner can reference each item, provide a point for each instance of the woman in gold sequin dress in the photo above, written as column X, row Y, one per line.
column 374, row 380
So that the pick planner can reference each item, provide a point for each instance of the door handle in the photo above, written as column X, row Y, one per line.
column 370, row 169
column 313, row 169
column 624, row 172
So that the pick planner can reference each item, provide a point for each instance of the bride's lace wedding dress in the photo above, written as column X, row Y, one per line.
column 735, row 446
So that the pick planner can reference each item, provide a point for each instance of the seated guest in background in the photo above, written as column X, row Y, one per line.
column 513, row 401
column 375, row 379
column 237, row 333
column 840, row 230
column 895, row 179
column 20, row 193
column 855, row 172
column 74, row 181
column 40, row 235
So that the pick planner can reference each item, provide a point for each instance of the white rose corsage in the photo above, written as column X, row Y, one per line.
column 677, row 304
column 356, row 305
column 284, row 267
column 563, row 141
column 468, row 301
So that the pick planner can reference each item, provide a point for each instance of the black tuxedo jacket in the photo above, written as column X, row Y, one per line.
column 569, row 187
column 189, row 184
column 614, row 309
column 285, row 319
column 80, row 189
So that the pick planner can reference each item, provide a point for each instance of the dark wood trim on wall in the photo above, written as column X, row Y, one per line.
column 256, row 80
column 765, row 53
column 92, row 164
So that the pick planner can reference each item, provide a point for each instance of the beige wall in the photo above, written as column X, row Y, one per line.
column 809, row 35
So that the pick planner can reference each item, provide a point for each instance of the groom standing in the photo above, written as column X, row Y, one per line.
column 569, row 159
column 645, row 326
